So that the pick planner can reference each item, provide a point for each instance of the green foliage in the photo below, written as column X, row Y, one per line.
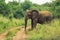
column 2, row 0
column 49, row 31
column 19, row 14
column 17, row 10
column 7, row 23
column 4, row 9
column 35, row 7
column 26, row 5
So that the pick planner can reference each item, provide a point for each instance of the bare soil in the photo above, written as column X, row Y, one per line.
column 20, row 35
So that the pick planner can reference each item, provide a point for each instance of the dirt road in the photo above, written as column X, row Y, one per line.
column 20, row 35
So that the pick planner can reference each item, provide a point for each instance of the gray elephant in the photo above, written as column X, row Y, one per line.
column 37, row 17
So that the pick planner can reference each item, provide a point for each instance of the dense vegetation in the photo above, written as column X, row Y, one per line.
column 49, row 31
column 12, row 15
column 17, row 10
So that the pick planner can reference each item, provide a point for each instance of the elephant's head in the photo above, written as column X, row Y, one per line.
column 33, row 15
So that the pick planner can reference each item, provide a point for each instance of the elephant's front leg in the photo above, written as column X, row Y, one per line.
column 33, row 23
column 26, row 19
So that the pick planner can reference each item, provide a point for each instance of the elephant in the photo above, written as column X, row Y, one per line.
column 37, row 17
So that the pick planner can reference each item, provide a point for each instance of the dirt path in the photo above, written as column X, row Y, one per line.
column 3, row 35
column 20, row 35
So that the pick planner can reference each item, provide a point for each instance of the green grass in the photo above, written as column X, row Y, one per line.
column 46, row 31
column 6, row 23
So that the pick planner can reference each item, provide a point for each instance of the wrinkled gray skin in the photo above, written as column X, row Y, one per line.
column 37, row 17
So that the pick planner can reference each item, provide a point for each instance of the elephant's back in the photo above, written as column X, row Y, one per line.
column 45, row 13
